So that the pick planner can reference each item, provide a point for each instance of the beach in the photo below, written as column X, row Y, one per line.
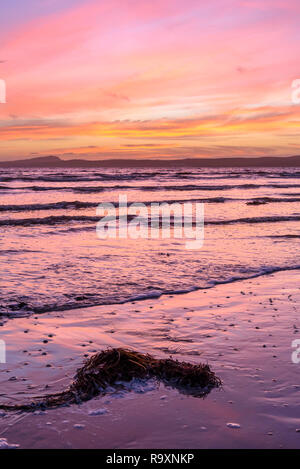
column 244, row 330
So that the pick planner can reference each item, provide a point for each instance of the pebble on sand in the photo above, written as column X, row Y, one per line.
column 98, row 412
column 233, row 425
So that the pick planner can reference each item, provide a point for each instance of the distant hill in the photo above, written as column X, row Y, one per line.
column 56, row 162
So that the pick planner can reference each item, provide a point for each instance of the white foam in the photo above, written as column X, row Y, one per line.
column 5, row 445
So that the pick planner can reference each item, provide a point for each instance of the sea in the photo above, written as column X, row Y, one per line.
column 51, row 258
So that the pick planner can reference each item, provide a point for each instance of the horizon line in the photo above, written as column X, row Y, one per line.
column 56, row 161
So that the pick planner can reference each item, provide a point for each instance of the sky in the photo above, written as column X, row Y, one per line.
column 149, row 79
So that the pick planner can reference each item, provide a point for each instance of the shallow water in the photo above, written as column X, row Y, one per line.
column 51, row 258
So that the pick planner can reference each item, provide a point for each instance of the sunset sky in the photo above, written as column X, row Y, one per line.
column 154, row 79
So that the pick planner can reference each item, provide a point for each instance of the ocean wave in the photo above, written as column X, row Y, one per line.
column 211, row 284
column 23, row 306
column 285, row 236
column 223, row 187
column 156, row 188
column 264, row 219
column 284, row 174
column 59, row 219
column 265, row 271
column 76, row 204
column 291, row 194
column 52, row 220
column 5, row 252
column 142, row 174
column 92, row 176
column 266, row 200
column 186, row 187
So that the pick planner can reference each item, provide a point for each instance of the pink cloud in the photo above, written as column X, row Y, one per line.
column 133, row 60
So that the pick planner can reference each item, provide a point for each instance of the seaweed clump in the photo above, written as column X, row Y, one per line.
column 113, row 366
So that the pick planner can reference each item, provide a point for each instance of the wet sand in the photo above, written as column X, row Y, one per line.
column 244, row 330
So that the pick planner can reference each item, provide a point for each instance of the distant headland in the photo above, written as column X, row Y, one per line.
column 56, row 162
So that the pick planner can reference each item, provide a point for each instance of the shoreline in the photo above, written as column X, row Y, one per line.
column 142, row 297
column 243, row 330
